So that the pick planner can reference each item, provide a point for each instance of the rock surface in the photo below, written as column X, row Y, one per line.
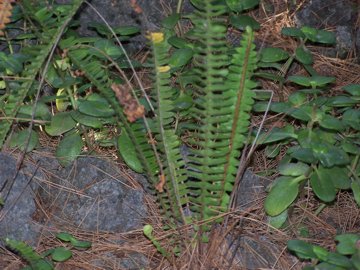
column 19, row 205
column 341, row 15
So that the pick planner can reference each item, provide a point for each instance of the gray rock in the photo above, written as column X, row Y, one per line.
column 121, row 13
column 318, row 13
column 16, row 215
column 94, row 196
column 250, row 187
column 344, row 41
column 249, row 253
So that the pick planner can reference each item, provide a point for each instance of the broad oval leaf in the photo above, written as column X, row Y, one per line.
column 269, row 55
column 352, row 89
column 179, row 43
column 297, row 98
column 341, row 101
column 351, row 118
column 330, row 122
column 329, row 155
column 279, row 220
column 325, row 37
column 171, row 20
column 128, row 152
column 61, row 254
column 293, row 169
column 19, row 139
column 181, row 57
column 64, row 236
column 96, row 108
column 60, row 123
column 80, row 244
column 281, row 195
column 355, row 187
column 322, row 185
column 302, row 249
column 303, row 55
column 69, row 149
column 86, row 120
column 347, row 243
column 304, row 155
column 42, row 111
column 239, row 6
column 292, row 32
column 277, row 134
column 242, row 21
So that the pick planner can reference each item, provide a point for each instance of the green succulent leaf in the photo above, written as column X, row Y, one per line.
column 242, row 21
column 60, row 123
column 277, row 134
column 331, row 122
column 341, row 101
column 171, row 20
column 239, row 6
column 86, row 120
column 282, row 194
column 61, row 254
column 351, row 118
column 96, row 108
column 302, row 249
column 80, row 244
column 69, row 149
column 314, row 81
column 179, row 43
column 292, row 32
column 304, row 155
column 19, row 139
column 303, row 55
column 329, row 155
column 181, row 57
column 269, row 55
column 322, row 185
column 128, row 152
column 352, row 89
column 347, row 243
column 293, row 169
column 42, row 111
column 297, row 98
column 355, row 186
column 279, row 220
column 64, row 236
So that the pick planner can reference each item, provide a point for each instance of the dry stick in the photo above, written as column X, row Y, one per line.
column 42, row 79
column 245, row 159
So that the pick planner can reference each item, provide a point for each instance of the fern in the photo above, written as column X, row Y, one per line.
column 222, row 105
column 167, row 141
column 38, row 54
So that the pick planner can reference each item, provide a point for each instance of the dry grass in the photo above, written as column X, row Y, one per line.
column 342, row 216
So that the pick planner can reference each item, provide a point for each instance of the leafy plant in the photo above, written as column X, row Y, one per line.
column 39, row 262
column 324, row 142
column 347, row 255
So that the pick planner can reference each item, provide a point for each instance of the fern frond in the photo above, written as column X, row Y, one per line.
column 222, row 110
column 168, row 142
column 242, row 67
column 40, row 55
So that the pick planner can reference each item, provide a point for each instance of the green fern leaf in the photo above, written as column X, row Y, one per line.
column 168, row 144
